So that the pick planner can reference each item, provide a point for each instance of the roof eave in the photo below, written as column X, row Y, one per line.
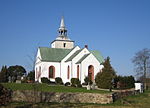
column 62, row 40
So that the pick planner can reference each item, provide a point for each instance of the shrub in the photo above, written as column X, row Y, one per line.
column 79, row 84
column 87, row 80
column 45, row 80
column 58, row 80
column 67, row 83
column 75, row 82
column 5, row 95
column 124, row 82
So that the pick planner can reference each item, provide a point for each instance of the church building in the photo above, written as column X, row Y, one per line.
column 65, row 60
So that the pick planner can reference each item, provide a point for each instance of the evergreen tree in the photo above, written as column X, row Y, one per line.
column 104, row 79
column 4, row 74
column 31, row 75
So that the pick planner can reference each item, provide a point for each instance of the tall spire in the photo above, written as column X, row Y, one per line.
column 62, row 30
column 62, row 24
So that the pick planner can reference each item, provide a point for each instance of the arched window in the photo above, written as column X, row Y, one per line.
column 91, row 72
column 51, row 72
column 68, row 72
column 78, row 71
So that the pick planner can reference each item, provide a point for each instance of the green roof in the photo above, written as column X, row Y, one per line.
column 53, row 54
column 76, row 53
column 57, row 54
column 82, row 58
column 98, row 56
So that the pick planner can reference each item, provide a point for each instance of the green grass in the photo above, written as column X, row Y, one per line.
column 136, row 101
column 49, row 88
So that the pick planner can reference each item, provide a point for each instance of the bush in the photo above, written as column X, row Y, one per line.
column 58, row 80
column 75, row 82
column 79, row 84
column 67, row 83
column 45, row 80
column 5, row 95
column 124, row 82
column 87, row 80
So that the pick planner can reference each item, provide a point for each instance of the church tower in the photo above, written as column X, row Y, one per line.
column 62, row 41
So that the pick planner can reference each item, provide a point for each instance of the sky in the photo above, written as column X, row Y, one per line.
column 117, row 28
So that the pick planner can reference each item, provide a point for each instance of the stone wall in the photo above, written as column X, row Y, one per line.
column 124, row 93
column 37, row 96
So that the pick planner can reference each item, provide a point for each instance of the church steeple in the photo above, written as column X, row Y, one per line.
column 62, row 24
column 62, row 30
column 62, row 41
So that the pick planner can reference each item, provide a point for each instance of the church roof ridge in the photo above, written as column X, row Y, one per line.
column 75, row 54
column 84, row 56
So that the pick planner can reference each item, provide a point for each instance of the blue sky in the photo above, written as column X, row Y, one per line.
column 117, row 28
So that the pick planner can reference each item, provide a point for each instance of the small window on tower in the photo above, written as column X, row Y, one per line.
column 64, row 45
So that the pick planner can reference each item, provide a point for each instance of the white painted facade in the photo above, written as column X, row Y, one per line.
column 139, row 86
column 62, row 44
column 78, row 60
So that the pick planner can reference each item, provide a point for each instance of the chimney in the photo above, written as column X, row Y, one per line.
column 86, row 46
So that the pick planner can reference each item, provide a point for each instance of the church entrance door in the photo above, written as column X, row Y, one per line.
column 91, row 72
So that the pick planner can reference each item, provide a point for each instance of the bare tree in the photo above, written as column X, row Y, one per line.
column 141, row 62
column 32, row 59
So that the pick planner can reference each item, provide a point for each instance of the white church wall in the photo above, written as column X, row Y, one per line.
column 76, row 59
column 37, row 71
column 64, row 71
column 53, row 45
column 38, row 56
column 60, row 44
column 90, row 60
column 45, row 69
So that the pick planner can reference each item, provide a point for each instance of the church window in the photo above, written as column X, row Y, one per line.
column 64, row 45
column 78, row 71
column 68, row 72
column 51, row 72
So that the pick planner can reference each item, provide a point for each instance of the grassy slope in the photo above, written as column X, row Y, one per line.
column 48, row 88
column 137, row 101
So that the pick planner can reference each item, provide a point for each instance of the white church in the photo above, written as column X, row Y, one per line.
column 66, row 61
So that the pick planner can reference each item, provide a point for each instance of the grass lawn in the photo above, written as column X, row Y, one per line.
column 136, row 101
column 49, row 88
